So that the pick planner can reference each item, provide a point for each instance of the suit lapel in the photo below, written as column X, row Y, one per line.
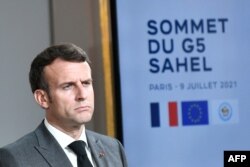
column 97, row 150
column 50, row 149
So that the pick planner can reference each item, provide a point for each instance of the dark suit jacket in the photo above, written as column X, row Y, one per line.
column 40, row 149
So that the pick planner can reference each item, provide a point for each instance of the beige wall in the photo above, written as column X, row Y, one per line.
column 78, row 21
column 25, row 31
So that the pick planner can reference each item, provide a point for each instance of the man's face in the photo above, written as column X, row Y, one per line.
column 71, row 102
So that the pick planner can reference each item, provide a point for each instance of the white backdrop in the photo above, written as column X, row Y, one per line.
column 195, row 56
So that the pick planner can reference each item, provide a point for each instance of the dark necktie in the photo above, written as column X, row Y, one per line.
column 79, row 148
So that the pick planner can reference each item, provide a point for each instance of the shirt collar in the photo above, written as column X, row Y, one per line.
column 63, row 139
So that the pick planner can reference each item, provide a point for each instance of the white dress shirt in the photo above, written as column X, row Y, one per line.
column 64, row 140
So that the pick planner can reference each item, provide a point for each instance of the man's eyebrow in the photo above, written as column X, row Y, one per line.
column 66, row 83
column 87, row 80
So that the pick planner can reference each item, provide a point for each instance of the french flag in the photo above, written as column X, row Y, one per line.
column 172, row 114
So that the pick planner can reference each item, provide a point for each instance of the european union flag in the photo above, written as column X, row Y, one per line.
column 194, row 113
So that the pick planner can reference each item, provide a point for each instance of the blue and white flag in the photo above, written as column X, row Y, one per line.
column 224, row 111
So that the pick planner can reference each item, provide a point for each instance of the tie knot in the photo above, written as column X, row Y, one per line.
column 78, row 147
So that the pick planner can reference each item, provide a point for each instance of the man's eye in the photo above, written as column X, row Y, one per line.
column 86, row 83
column 66, row 87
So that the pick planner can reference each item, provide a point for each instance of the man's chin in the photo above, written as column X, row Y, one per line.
column 85, row 120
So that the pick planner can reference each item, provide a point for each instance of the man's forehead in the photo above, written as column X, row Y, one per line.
column 61, row 68
column 60, row 64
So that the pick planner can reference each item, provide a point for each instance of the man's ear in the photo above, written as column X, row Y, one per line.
column 42, row 98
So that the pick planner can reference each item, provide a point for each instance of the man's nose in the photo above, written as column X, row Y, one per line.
column 81, row 93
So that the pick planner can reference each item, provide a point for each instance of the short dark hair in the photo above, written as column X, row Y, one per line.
column 67, row 51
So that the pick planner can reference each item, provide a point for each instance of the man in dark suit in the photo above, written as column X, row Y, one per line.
column 61, row 82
